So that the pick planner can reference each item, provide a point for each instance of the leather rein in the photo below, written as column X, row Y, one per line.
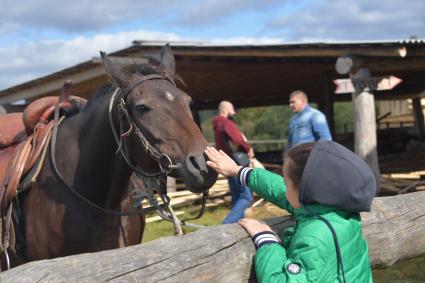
column 159, row 157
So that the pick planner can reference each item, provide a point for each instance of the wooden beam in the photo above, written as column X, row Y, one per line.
column 84, row 89
column 419, row 116
column 305, row 51
column 394, row 231
column 53, row 85
column 122, row 60
column 378, row 63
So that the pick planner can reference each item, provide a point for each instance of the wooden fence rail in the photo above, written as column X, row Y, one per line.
column 395, row 230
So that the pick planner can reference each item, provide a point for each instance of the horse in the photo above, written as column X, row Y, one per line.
column 140, row 123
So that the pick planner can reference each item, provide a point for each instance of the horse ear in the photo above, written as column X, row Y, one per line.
column 167, row 59
column 117, row 74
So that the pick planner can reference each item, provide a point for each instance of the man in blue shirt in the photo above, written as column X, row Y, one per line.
column 307, row 124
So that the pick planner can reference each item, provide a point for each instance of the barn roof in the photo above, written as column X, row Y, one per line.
column 250, row 75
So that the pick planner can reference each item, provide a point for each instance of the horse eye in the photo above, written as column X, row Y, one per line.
column 141, row 108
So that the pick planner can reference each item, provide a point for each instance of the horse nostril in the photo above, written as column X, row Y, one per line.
column 194, row 163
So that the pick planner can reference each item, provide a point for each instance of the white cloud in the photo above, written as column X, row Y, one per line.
column 353, row 20
column 80, row 16
column 86, row 15
column 208, row 12
column 8, row 27
column 21, row 63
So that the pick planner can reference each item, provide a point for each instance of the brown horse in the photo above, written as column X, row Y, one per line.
column 154, row 119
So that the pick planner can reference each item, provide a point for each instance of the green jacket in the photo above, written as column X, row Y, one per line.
column 309, row 245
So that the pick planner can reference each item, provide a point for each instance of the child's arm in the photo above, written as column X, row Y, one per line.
column 307, row 263
column 309, row 260
column 266, row 184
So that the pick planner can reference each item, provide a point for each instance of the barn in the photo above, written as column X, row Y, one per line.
column 257, row 75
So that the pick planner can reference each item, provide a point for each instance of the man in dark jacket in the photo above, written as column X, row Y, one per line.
column 325, row 187
column 226, row 134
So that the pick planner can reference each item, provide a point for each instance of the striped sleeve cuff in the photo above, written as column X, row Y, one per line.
column 264, row 238
column 243, row 175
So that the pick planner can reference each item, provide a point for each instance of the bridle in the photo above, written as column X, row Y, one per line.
column 124, row 113
column 159, row 157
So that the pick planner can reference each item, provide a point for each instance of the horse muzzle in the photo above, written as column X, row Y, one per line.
column 197, row 175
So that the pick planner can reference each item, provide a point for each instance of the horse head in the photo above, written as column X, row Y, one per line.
column 158, row 121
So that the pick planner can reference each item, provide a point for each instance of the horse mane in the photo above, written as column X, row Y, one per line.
column 99, row 96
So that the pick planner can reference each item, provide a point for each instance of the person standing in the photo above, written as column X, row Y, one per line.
column 226, row 132
column 307, row 124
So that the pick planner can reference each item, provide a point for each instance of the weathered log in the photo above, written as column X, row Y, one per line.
column 394, row 230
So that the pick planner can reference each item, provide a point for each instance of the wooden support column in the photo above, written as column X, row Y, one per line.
column 365, row 140
column 419, row 116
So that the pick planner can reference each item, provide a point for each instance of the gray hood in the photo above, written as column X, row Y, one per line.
column 337, row 177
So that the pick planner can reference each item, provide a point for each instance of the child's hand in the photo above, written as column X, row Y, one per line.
column 221, row 162
column 253, row 226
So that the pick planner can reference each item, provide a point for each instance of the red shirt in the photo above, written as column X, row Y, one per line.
column 224, row 125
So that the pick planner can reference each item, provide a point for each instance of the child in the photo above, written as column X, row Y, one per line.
column 325, row 187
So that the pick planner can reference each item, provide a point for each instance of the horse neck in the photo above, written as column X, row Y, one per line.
column 100, row 174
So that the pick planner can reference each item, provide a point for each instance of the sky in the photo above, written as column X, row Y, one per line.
column 44, row 36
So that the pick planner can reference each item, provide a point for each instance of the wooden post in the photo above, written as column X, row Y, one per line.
column 365, row 140
column 171, row 184
column 419, row 116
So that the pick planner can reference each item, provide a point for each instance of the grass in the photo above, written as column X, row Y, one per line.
column 164, row 228
column 408, row 271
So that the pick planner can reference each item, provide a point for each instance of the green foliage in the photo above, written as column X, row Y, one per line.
column 343, row 116
column 262, row 123
column 257, row 123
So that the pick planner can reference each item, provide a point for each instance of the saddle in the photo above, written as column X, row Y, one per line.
column 23, row 139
